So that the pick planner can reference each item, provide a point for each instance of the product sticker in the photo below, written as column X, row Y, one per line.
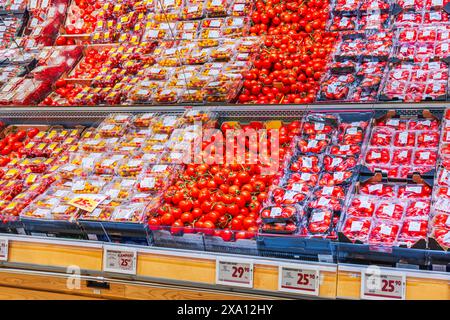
column 275, row 212
column 338, row 175
column 305, row 176
column 323, row 201
column 375, row 187
column 420, row 205
column 376, row 155
column 414, row 189
column 127, row 183
column 307, row 162
column 328, row 191
column 365, row 203
column 414, row 226
column 356, row 226
column 297, row 187
column 319, row 126
column 148, row 182
column 393, row 122
column 403, row 154
column 389, row 210
column 318, row 216
column 336, row 162
column 403, row 137
column 425, row 155
column 386, row 230
column 113, row 193
column 134, row 163
column 60, row 209
column 312, row 144
column 159, row 168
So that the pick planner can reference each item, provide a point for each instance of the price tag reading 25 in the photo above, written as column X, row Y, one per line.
column 299, row 279
column 383, row 286
column 119, row 260
column 234, row 272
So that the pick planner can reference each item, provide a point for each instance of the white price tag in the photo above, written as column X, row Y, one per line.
column 4, row 245
column 119, row 260
column 238, row 272
column 378, row 285
column 298, row 279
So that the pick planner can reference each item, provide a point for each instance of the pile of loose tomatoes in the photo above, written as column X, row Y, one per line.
column 222, row 200
column 295, row 52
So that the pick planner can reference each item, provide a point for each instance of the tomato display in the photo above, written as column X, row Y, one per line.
column 296, row 47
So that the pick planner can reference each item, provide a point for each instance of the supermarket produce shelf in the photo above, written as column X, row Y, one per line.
column 179, row 273
column 180, row 268
column 50, row 264
column 67, row 110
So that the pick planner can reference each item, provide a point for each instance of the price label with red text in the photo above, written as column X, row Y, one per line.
column 3, row 249
column 234, row 272
column 87, row 202
column 299, row 279
column 119, row 260
column 383, row 286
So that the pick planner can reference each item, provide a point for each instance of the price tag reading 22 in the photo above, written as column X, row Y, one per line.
column 119, row 260
column 235, row 272
column 298, row 279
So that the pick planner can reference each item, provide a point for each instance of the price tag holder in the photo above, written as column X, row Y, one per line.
column 383, row 285
column 119, row 260
column 234, row 272
column 301, row 279
column 4, row 245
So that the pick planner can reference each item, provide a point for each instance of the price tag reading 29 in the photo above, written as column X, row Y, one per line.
column 383, row 286
column 236, row 272
column 298, row 279
column 119, row 260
